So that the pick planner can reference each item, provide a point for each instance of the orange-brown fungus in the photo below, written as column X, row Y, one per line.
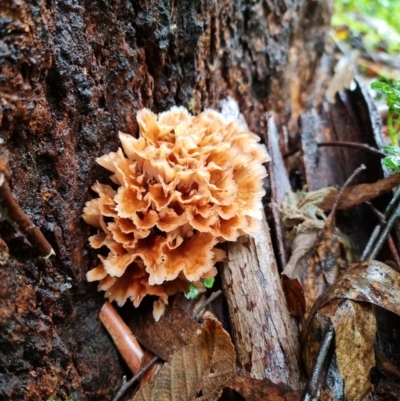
column 186, row 184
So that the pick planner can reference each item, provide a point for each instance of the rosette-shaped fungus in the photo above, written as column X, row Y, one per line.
column 186, row 184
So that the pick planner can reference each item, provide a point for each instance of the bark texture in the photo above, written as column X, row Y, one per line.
column 73, row 73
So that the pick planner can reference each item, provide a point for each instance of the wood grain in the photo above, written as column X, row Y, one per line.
column 265, row 339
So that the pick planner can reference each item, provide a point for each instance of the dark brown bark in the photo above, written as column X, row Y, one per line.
column 73, row 73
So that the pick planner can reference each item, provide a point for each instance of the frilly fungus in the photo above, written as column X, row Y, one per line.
column 186, row 184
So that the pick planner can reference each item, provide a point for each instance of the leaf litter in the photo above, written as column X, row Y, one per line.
column 323, row 293
column 198, row 371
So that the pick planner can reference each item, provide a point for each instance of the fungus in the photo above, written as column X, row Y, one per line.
column 185, row 185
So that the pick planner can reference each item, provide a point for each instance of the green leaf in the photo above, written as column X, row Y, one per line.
column 208, row 282
column 391, row 150
column 392, row 162
column 192, row 292
column 381, row 86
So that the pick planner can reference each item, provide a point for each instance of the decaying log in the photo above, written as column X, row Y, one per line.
column 280, row 185
column 74, row 73
column 264, row 336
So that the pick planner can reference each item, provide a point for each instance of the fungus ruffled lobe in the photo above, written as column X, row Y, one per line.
column 186, row 184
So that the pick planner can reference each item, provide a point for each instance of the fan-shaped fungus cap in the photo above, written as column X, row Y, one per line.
column 186, row 184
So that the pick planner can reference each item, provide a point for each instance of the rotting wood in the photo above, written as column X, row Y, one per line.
column 73, row 76
column 280, row 185
column 263, row 333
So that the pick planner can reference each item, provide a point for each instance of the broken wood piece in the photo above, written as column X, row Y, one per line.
column 358, row 194
column 122, row 336
column 280, row 185
column 261, row 390
column 266, row 342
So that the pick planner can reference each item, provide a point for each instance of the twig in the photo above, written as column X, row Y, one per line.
column 355, row 145
column 122, row 336
column 375, row 233
column 342, row 144
column 391, row 243
column 361, row 193
column 382, row 238
column 11, row 210
column 320, row 367
column 130, row 383
column 207, row 302
column 345, row 185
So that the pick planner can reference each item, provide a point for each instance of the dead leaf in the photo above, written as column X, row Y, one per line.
column 261, row 390
column 355, row 326
column 174, row 330
column 355, row 330
column 317, row 250
column 358, row 194
column 196, row 372
column 296, row 271
column 370, row 281
column 301, row 212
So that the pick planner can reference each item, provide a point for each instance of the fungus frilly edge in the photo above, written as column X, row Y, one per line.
column 184, row 185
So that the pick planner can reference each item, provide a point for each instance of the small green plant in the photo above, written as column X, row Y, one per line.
column 392, row 95
column 194, row 291
column 392, row 160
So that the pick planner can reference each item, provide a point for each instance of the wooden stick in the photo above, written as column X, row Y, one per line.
column 263, row 333
column 358, row 194
column 126, row 386
column 122, row 336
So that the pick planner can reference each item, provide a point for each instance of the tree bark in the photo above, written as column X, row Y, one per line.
column 72, row 74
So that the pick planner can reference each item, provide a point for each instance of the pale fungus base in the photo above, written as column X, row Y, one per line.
column 186, row 184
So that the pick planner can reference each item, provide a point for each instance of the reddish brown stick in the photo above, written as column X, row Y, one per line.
column 122, row 336
column 358, row 194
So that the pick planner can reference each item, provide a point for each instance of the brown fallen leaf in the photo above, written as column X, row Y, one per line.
column 261, row 390
column 357, row 194
column 175, row 329
column 296, row 271
column 198, row 371
column 355, row 327
column 317, row 250
column 370, row 281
